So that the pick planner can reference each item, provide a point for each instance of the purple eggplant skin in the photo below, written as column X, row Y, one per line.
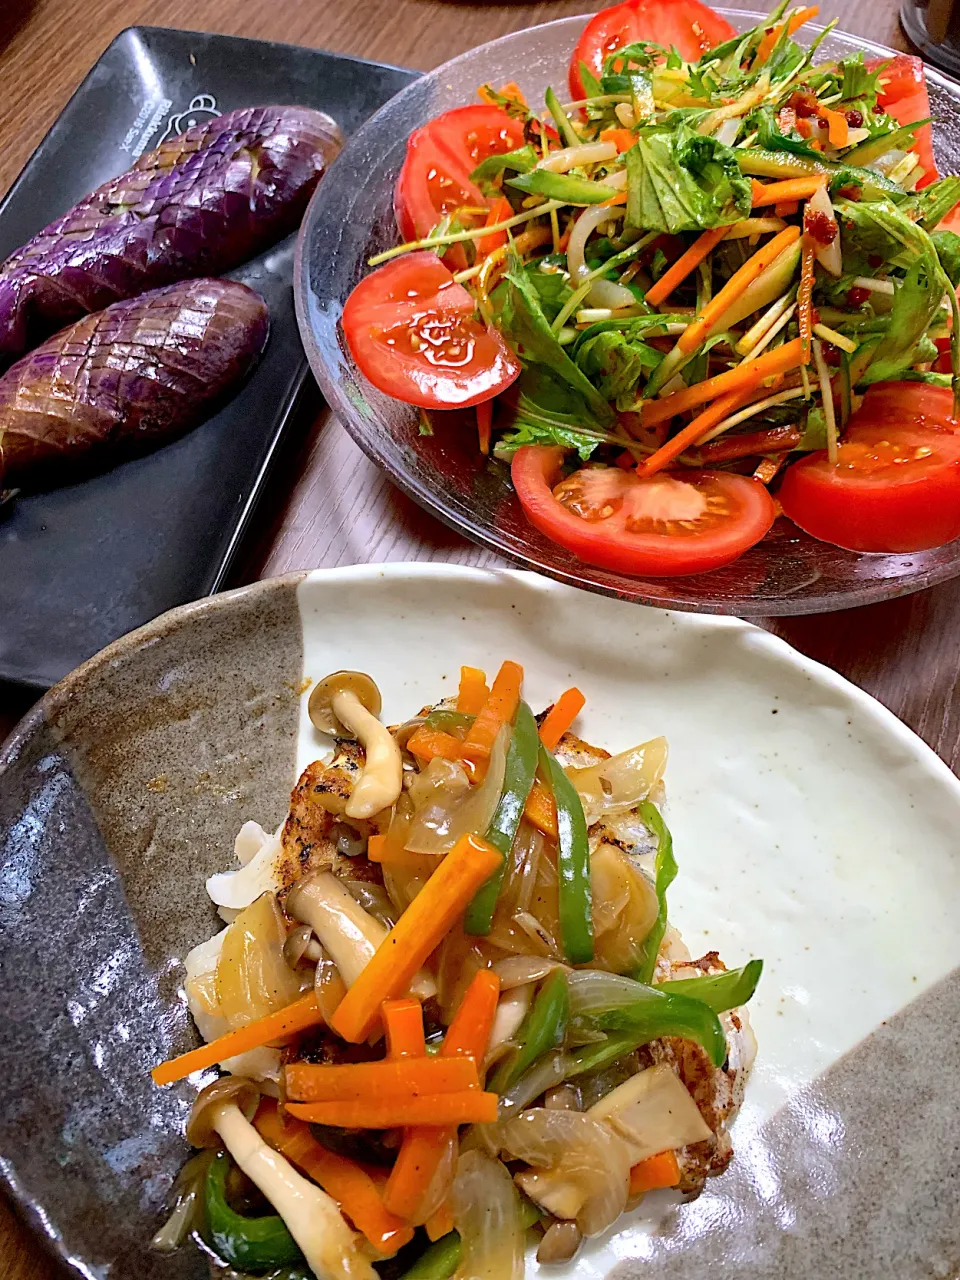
column 199, row 205
column 125, row 380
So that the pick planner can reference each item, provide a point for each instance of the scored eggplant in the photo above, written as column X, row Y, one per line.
column 200, row 204
column 127, row 379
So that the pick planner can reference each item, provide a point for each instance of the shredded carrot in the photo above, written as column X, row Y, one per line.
column 426, row 743
column 805, row 297
column 403, row 1025
column 786, row 208
column 769, row 41
column 662, row 1170
column 744, row 377
column 700, row 328
column 473, row 691
column 469, row 1106
column 406, row 1077
column 500, row 210
column 509, row 90
column 684, row 265
column 420, row 929
column 350, row 1185
column 714, row 413
column 300, row 1015
column 541, row 808
column 439, row 1224
column 619, row 198
column 789, row 189
column 498, row 710
column 838, row 130
column 560, row 717
column 423, row 1149
column 623, row 139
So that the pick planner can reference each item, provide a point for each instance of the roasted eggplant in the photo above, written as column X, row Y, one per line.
column 122, row 381
column 199, row 205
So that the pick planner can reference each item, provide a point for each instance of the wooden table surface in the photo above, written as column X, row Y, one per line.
column 327, row 504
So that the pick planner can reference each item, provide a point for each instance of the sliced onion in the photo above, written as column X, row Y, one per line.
column 511, row 1011
column 828, row 255
column 583, row 229
column 297, row 945
column 449, row 811
column 593, row 991
column 374, row 900
column 253, row 979
column 607, row 293
column 727, row 133
column 625, row 908
column 622, row 781
column 581, row 1167
column 517, row 971
column 258, row 853
column 574, row 157
column 486, row 1212
column 543, row 1075
column 328, row 985
column 653, row 1111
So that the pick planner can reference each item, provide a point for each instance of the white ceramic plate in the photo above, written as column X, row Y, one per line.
column 812, row 828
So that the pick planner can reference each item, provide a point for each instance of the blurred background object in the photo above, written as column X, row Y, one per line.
column 934, row 27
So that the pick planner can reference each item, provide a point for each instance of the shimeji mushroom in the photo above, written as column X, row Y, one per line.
column 350, row 700
column 331, row 1249
column 350, row 934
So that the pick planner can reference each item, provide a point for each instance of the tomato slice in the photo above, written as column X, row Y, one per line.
column 896, row 486
column 435, row 178
column 415, row 335
column 665, row 525
column 904, row 96
column 692, row 27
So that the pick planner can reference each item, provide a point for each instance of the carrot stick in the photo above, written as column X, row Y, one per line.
column 469, row 1106
column 786, row 208
column 805, row 297
column 469, row 1031
column 769, row 41
column 541, row 808
column 403, row 1024
column 838, row 130
column 423, row 1149
column 498, row 710
column 300, row 1015
column 440, row 902
column 560, row 717
column 744, row 377
column 691, row 433
column 696, row 333
column 350, row 1185
column 439, row 1224
column 500, row 210
column 623, row 139
column 409, row 1077
column 473, row 691
column 789, row 189
column 484, row 425
column 684, row 265
column 426, row 743
column 662, row 1170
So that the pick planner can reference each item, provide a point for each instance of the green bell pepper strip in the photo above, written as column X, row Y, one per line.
column 652, row 1013
column 591, row 1057
column 249, row 1244
column 573, row 864
column 541, row 1030
column 562, row 186
column 721, row 991
column 448, row 720
column 666, row 872
column 560, row 118
column 519, row 772
column 441, row 1260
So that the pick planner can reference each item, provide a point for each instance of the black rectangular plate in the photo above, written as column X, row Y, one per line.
column 81, row 565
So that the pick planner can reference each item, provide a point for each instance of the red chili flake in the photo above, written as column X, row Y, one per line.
column 857, row 296
column 822, row 228
column 855, row 119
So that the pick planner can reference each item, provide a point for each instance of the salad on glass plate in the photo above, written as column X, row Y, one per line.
column 714, row 285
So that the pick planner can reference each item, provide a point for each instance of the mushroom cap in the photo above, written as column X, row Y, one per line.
column 319, row 707
column 245, row 1093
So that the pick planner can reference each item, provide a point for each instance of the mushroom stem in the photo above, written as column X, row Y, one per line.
column 382, row 777
column 331, row 1249
column 350, row 934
